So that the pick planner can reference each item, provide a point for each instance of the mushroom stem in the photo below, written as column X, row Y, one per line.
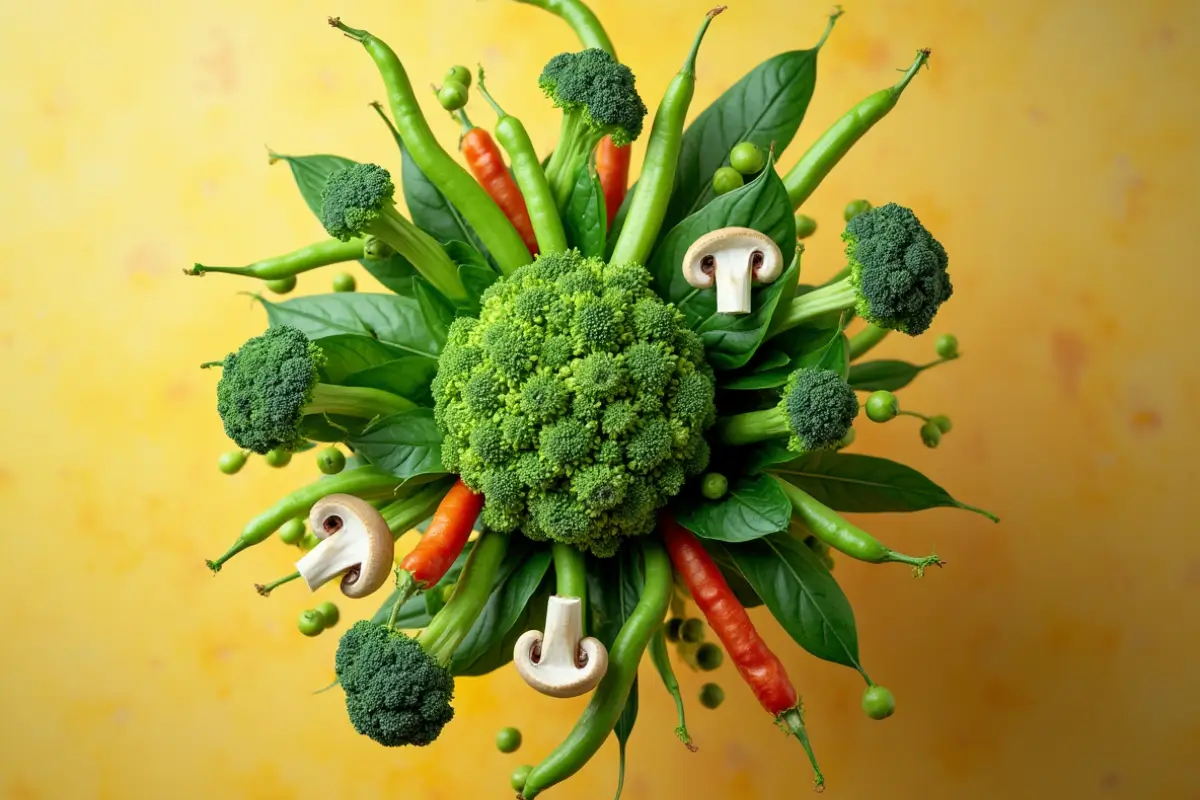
column 561, row 662
column 329, row 559
column 733, row 289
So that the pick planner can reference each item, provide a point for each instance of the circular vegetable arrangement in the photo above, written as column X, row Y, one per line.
column 617, row 415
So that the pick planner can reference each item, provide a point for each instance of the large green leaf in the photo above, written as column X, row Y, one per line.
column 395, row 273
column 393, row 320
column 802, row 596
column 437, row 311
column 741, row 588
column 783, row 355
column 405, row 444
column 889, row 375
column 348, row 353
column 853, row 482
column 428, row 207
column 531, row 618
column 614, row 587
column 584, row 214
column 408, row 376
column 753, row 507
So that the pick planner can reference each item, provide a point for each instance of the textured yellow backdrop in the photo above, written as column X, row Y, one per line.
column 1053, row 147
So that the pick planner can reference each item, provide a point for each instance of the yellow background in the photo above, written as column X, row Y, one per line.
column 1052, row 147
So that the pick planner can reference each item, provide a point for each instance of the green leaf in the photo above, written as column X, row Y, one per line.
column 532, row 617
column 405, row 444
column 765, row 107
column 800, row 347
column 614, row 587
column 437, row 311
column 802, row 596
column 584, row 214
column 741, row 588
column 310, row 173
column 853, row 482
column 730, row 339
column 348, row 353
column 392, row 320
column 623, row 729
column 413, row 613
column 428, row 207
column 395, row 273
column 408, row 376
column 872, row 376
column 754, row 507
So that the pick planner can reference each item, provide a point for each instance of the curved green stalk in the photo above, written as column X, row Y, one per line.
column 581, row 19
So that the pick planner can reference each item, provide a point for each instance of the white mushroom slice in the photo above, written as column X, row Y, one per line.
column 356, row 543
column 561, row 663
column 734, row 259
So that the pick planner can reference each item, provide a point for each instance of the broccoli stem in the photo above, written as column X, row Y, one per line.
column 838, row 296
column 321, row 254
column 753, row 426
column 429, row 258
column 446, row 630
column 863, row 341
column 575, row 143
column 355, row 401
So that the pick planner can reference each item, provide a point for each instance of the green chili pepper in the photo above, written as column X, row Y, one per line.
column 581, row 19
column 608, row 701
column 828, row 526
column 648, row 206
column 288, row 265
column 365, row 482
column 662, row 663
column 803, row 179
column 530, row 177
column 862, row 342
column 464, row 193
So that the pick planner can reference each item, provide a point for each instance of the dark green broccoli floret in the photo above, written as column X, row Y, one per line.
column 272, row 383
column 598, row 98
column 359, row 200
column 897, row 279
column 815, row 410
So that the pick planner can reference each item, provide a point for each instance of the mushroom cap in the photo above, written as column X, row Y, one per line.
column 733, row 245
column 347, row 515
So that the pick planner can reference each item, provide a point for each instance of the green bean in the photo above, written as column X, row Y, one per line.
column 288, row 265
column 581, row 19
column 662, row 663
column 862, row 342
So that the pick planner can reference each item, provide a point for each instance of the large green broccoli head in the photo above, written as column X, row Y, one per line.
column 264, row 387
column 396, row 693
column 820, row 408
column 576, row 402
column 596, row 85
column 353, row 198
column 898, row 268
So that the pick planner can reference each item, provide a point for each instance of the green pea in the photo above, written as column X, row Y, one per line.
column 848, row 439
column 519, row 776
column 671, row 631
column 344, row 282
column 309, row 541
column 946, row 346
column 692, row 631
column 508, row 740
column 377, row 249
column 806, row 226
column 943, row 423
column 747, row 158
column 711, row 695
column 459, row 74
column 709, row 657
column 232, row 462
column 931, row 435
column 878, row 702
column 282, row 285
column 331, row 461
column 726, row 180
column 278, row 458
column 329, row 613
column 714, row 486
column 452, row 96
column 854, row 208
column 882, row 406
column 292, row 531
column 310, row 623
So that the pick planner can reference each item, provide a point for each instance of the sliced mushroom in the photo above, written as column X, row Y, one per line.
column 562, row 662
column 733, row 259
column 356, row 543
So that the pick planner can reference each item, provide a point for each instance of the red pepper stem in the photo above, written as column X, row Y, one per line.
column 795, row 723
column 406, row 587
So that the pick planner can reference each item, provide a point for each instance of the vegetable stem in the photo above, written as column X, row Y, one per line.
column 266, row 589
column 863, row 341
column 833, row 297
column 355, row 401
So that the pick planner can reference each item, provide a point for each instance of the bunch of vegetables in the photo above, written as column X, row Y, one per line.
column 548, row 382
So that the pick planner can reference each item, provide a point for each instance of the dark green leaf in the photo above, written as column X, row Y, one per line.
column 872, row 376
column 348, row 353
column 428, row 207
column 474, row 271
column 310, row 173
column 614, row 586
column 437, row 311
column 858, row 483
column 617, row 222
column 623, row 729
column 802, row 596
column 329, row 428
column 408, row 377
column 765, row 455
column 413, row 614
column 393, row 320
column 741, row 588
column 755, row 506
column 404, row 444
column 395, row 273
column 584, row 214
column 532, row 617
column 805, row 346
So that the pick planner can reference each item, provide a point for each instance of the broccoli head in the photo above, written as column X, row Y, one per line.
column 598, row 98
column 396, row 693
column 898, row 278
column 272, row 383
column 815, row 410
column 576, row 403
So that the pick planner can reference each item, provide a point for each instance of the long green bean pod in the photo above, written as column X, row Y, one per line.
column 321, row 254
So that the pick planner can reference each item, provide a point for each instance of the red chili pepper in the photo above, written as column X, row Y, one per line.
column 612, row 167
column 487, row 165
column 755, row 662
column 445, row 537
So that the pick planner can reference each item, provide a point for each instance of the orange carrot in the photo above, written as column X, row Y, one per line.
column 612, row 167
column 487, row 165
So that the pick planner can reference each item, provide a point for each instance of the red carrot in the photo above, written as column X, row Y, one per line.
column 612, row 167
column 487, row 165
column 443, row 541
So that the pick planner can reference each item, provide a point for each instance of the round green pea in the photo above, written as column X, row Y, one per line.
column 278, row 458
column 882, row 406
column 376, row 249
column 856, row 207
column 848, row 439
column 310, row 623
column 747, row 158
column 943, row 423
column 711, row 695
column 232, row 462
column 931, row 434
column 806, row 226
column 331, row 461
column 344, row 282
column 946, row 346
column 714, row 486
column 508, row 740
column 878, row 702
column 709, row 656
column 671, row 631
column 692, row 631
column 292, row 531
column 329, row 613
column 282, row 285
column 459, row 74
column 519, row 776
column 309, row 541
column 726, row 180
column 452, row 96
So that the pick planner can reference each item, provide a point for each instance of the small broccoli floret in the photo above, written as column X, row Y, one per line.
column 272, row 383
column 897, row 279
column 815, row 410
column 359, row 200
column 598, row 98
